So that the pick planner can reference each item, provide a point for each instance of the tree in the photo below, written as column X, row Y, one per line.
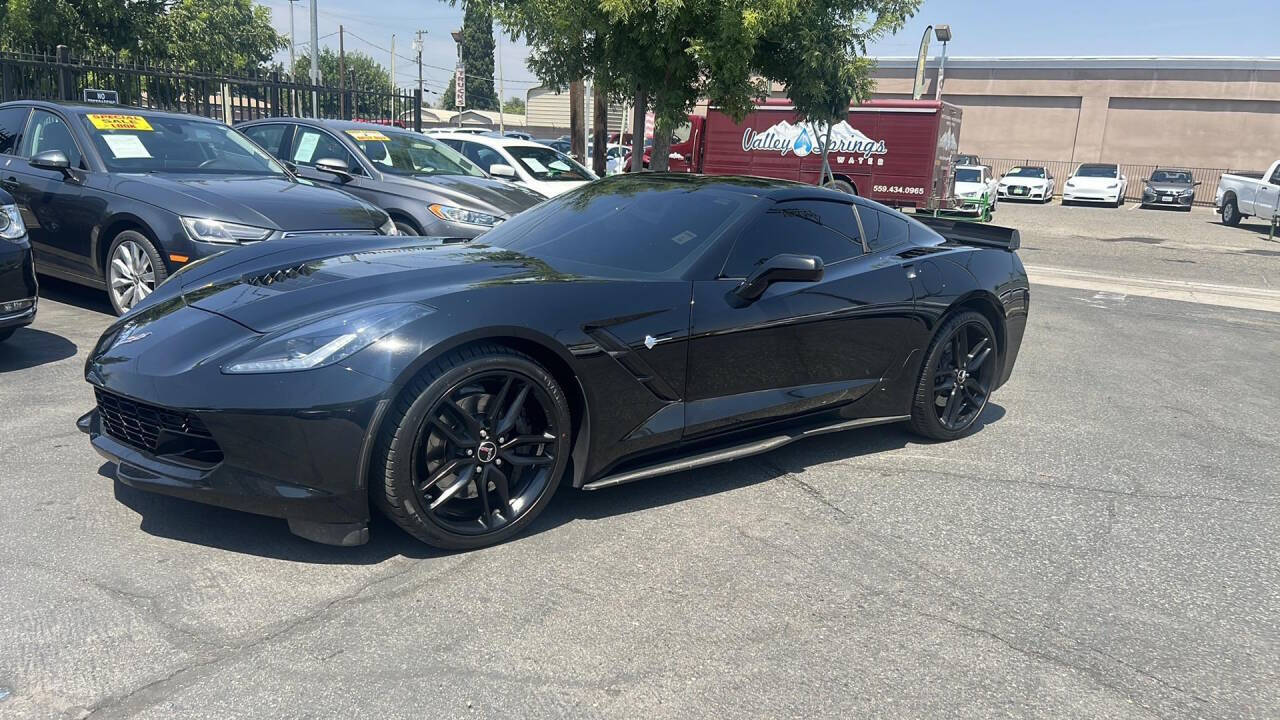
column 477, row 58
column 514, row 106
column 219, row 35
column 364, row 74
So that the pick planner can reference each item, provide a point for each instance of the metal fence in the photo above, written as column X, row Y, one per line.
column 232, row 98
column 1136, row 174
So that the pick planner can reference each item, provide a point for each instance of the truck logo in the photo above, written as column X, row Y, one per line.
column 803, row 139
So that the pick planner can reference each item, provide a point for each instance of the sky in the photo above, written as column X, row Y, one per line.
column 980, row 28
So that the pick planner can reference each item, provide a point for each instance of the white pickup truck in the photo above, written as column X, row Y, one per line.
column 1242, row 195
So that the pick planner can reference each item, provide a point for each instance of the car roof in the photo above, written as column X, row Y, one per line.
column 1172, row 170
column 326, row 123
column 1102, row 165
column 763, row 187
column 491, row 140
column 85, row 108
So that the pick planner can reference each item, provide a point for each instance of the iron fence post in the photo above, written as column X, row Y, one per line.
column 417, row 110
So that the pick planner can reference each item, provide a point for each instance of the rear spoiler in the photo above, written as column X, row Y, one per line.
column 972, row 233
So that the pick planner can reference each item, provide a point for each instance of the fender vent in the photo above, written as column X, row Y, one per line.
column 921, row 251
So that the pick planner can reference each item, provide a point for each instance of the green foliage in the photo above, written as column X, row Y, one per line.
column 218, row 35
column 477, row 56
column 514, row 105
column 363, row 73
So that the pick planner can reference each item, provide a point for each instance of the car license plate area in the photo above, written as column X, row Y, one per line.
column 1166, row 198
column 1019, row 191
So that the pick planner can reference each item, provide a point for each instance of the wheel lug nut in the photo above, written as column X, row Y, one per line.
column 498, row 461
column 469, row 451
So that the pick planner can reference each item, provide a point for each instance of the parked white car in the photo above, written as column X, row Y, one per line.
column 1027, row 182
column 455, row 131
column 1097, row 183
column 613, row 156
column 534, row 165
column 1242, row 195
column 974, row 183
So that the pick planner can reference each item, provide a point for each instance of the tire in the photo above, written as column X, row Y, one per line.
column 134, row 270
column 842, row 186
column 435, row 502
column 1230, row 213
column 7, row 333
column 1120, row 201
column 983, row 368
column 405, row 228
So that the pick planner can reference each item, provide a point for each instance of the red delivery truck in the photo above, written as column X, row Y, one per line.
column 897, row 152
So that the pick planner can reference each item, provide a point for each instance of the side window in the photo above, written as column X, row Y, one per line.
column 835, row 215
column 893, row 230
column 310, row 145
column 47, row 131
column 1275, row 176
column 12, row 120
column 269, row 137
column 787, row 228
column 482, row 156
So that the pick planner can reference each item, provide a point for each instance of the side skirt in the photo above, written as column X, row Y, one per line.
column 754, row 447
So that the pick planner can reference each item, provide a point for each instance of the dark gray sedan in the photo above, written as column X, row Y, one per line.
column 1170, row 188
column 425, row 186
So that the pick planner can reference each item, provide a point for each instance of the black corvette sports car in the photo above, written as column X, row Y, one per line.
column 640, row 325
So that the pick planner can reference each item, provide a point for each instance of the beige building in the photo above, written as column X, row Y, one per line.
column 546, row 108
column 1184, row 111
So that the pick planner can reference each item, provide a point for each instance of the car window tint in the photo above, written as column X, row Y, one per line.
column 311, row 145
column 482, row 156
column 47, row 131
column 268, row 136
column 892, row 230
column 1275, row 176
column 627, row 229
column 12, row 120
column 795, row 228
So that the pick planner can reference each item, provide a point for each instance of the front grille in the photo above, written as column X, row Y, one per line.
column 155, row 429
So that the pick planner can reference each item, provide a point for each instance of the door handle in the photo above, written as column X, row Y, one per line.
column 9, row 182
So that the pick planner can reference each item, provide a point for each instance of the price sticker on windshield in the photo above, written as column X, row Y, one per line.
column 368, row 136
column 119, row 122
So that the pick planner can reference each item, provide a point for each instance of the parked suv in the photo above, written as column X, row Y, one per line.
column 427, row 187
column 119, row 198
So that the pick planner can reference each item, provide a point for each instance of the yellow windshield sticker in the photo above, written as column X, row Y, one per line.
column 368, row 136
column 119, row 122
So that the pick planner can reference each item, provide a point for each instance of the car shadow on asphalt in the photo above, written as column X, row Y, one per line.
column 28, row 348
column 81, row 296
column 240, row 532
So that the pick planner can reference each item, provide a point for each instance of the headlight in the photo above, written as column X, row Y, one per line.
column 389, row 227
column 227, row 233
column 326, row 341
column 1188, row 191
column 11, row 227
column 448, row 213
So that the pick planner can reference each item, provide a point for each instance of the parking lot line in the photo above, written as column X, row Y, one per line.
column 1185, row 291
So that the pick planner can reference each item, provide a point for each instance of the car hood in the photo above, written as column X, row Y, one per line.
column 551, row 189
column 480, row 193
column 1169, row 187
column 970, row 187
column 267, row 288
column 259, row 201
column 1093, row 183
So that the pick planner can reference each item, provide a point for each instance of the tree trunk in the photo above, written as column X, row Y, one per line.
column 637, row 130
column 659, row 159
column 577, row 121
column 827, row 175
column 600, row 129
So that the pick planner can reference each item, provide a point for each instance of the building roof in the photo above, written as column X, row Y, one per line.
column 1114, row 62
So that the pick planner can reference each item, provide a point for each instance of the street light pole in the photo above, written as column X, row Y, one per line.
column 943, row 33
column 315, row 59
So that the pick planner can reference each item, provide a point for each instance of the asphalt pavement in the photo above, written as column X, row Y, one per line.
column 1105, row 546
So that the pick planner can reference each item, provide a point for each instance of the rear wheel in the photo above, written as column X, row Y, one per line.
column 134, row 270
column 958, row 376
column 474, row 449
column 1230, row 213
column 842, row 186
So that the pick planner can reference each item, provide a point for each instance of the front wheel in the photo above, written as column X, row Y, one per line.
column 957, row 378
column 474, row 448
column 404, row 228
column 1230, row 213
column 842, row 186
column 134, row 270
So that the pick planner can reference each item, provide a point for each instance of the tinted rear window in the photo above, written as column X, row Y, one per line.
column 625, row 228
column 12, row 119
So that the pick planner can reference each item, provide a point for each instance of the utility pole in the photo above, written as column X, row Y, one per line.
column 315, row 59
column 417, row 46
column 293, row 94
column 342, row 76
column 393, row 62
column 502, row 128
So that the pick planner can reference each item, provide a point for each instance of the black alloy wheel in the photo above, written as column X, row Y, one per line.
column 478, row 452
column 958, row 377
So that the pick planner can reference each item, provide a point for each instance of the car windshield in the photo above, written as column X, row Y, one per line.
column 129, row 142
column 545, row 163
column 1028, row 172
column 1098, row 171
column 625, row 227
column 968, row 175
column 1171, row 176
column 404, row 153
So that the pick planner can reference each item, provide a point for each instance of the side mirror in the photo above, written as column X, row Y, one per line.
column 779, row 268
column 502, row 170
column 52, row 160
column 334, row 166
